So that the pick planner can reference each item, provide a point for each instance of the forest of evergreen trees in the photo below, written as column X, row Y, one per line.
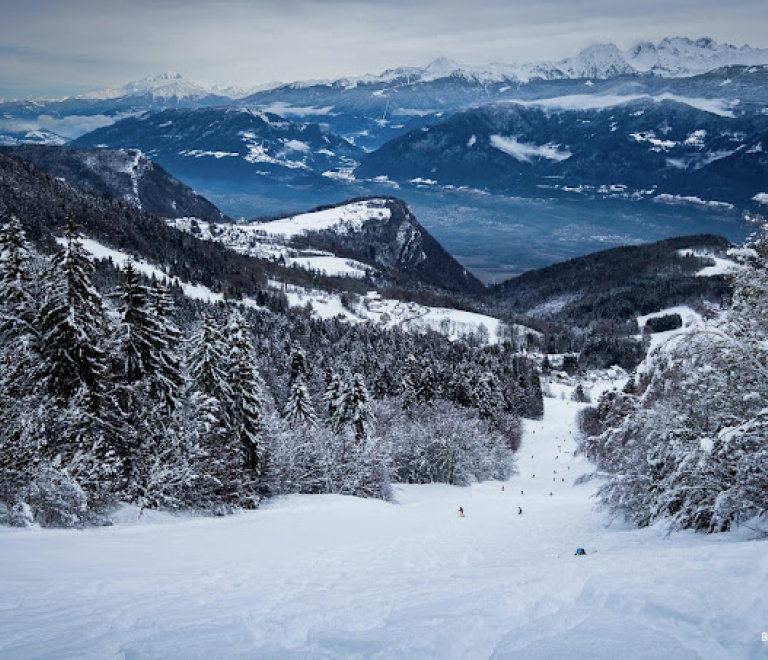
column 116, row 389
column 687, row 441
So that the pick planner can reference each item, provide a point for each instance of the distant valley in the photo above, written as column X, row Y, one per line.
column 509, row 166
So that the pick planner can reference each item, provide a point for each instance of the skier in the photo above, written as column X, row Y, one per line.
column 519, row 511
column 461, row 512
column 502, row 487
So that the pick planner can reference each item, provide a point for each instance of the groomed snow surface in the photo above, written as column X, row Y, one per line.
column 340, row 577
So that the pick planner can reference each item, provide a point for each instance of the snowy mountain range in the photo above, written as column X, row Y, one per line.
column 168, row 86
column 670, row 58
column 383, row 104
column 621, row 146
column 232, row 147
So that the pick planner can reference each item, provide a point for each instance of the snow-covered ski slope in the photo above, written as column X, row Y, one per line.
column 338, row 577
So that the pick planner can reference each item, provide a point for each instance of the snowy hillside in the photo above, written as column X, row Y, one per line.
column 341, row 577
column 344, row 219
column 372, row 308
column 378, row 236
column 271, row 240
column 251, row 239
column 454, row 324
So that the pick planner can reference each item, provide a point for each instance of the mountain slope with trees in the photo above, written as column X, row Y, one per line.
column 124, row 174
column 131, row 398
column 685, row 442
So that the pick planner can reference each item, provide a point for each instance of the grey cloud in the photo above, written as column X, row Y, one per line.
column 89, row 44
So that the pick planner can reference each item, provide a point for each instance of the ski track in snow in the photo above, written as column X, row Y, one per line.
column 341, row 577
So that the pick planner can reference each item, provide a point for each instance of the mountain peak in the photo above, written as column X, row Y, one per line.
column 596, row 61
column 440, row 67
column 682, row 56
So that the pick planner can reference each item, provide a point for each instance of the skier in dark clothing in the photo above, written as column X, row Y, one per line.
column 519, row 510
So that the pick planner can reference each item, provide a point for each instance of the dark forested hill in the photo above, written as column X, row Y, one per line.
column 42, row 202
column 618, row 284
column 125, row 174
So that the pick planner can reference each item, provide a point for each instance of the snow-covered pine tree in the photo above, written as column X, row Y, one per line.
column 141, row 335
column 18, row 309
column 426, row 386
column 16, row 299
column 72, row 324
column 360, row 417
column 248, row 404
column 335, row 399
column 298, row 408
column 221, row 481
column 167, row 381
column 409, row 374
column 208, row 362
column 487, row 396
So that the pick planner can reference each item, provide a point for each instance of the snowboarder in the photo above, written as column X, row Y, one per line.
column 581, row 551
column 461, row 512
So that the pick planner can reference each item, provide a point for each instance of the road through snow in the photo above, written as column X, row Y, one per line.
column 341, row 577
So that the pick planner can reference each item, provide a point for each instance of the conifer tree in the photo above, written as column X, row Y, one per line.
column 141, row 337
column 208, row 361
column 18, row 335
column 298, row 408
column 335, row 401
column 359, row 414
column 72, row 324
column 248, row 401
column 167, row 381
column 16, row 306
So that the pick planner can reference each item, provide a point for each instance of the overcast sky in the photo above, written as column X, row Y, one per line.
column 53, row 48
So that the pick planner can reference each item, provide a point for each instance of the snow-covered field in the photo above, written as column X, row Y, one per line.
column 339, row 577
column 391, row 313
